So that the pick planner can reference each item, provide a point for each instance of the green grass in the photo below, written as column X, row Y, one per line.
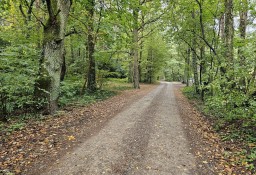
column 115, row 84
column 86, row 98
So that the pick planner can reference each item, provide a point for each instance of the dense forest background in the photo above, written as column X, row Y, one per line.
column 55, row 50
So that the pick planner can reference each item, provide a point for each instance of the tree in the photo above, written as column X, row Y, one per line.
column 48, row 84
column 91, row 76
column 229, row 37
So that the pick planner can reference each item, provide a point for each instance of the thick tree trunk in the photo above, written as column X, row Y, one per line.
column 91, row 76
column 48, row 84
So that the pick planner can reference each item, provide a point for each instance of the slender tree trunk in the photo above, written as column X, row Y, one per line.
column 135, row 46
column 202, row 71
column 63, row 67
column 195, row 71
column 130, row 71
column 91, row 79
column 72, row 53
column 222, row 26
column 141, row 48
column 149, row 64
column 140, row 59
column 242, row 29
column 229, row 35
column 194, row 58
column 48, row 84
column 187, row 66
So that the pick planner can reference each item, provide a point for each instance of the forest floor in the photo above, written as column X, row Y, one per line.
column 154, row 130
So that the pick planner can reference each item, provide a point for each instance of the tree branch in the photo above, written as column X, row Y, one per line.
column 206, row 42
column 49, row 8
column 151, row 21
column 41, row 22
column 73, row 31
column 22, row 12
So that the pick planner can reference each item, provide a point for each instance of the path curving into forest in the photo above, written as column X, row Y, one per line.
column 146, row 137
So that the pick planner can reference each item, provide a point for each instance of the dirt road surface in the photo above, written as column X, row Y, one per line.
column 146, row 138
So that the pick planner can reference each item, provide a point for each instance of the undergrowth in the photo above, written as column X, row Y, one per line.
column 70, row 95
column 233, row 116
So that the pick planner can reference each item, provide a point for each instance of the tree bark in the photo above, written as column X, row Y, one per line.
column 91, row 76
column 149, row 64
column 187, row 66
column 194, row 58
column 63, row 67
column 222, row 27
column 48, row 85
column 242, row 29
column 229, row 35
column 135, row 49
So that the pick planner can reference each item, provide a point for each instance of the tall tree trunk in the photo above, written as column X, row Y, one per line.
column 48, row 84
column 194, row 58
column 202, row 71
column 135, row 47
column 187, row 66
column 130, row 71
column 222, row 27
column 63, row 66
column 91, row 76
column 149, row 64
column 72, row 53
column 195, row 71
column 242, row 29
column 243, row 13
column 141, row 47
column 229, row 35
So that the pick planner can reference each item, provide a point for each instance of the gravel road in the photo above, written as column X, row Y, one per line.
column 146, row 138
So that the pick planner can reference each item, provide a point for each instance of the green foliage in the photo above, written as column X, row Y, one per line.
column 18, row 67
column 14, row 126
column 71, row 94
column 189, row 91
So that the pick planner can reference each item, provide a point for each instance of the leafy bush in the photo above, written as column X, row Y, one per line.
column 18, row 70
